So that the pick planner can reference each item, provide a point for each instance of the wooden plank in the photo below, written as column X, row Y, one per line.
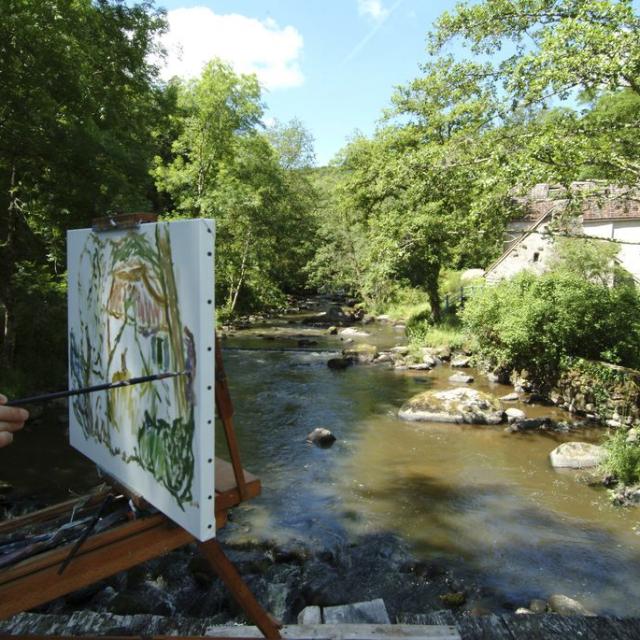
column 481, row 627
column 225, row 570
column 223, row 501
column 299, row 632
column 225, row 478
column 550, row 626
column 89, row 566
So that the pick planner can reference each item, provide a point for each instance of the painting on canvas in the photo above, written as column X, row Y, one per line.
column 141, row 302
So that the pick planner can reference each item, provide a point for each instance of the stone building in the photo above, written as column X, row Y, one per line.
column 590, row 208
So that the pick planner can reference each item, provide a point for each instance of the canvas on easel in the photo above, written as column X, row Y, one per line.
column 141, row 302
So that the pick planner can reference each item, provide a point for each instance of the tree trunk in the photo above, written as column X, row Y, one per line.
column 433, row 292
column 243, row 269
column 7, row 295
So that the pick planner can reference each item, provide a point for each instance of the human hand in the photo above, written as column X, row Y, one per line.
column 11, row 419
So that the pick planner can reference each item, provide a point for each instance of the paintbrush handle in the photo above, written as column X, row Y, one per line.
column 98, row 387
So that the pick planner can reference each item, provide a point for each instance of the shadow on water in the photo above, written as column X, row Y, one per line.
column 533, row 554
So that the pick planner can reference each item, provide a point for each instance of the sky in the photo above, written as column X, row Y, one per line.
column 333, row 64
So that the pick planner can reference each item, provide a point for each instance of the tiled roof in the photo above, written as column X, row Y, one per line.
column 607, row 202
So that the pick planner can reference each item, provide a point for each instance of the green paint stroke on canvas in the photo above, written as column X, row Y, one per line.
column 130, row 325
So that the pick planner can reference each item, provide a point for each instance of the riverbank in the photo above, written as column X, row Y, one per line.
column 422, row 510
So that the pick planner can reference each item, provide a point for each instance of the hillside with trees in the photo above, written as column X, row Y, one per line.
column 549, row 91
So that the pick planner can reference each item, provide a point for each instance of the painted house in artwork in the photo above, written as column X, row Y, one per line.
column 601, row 211
column 137, row 338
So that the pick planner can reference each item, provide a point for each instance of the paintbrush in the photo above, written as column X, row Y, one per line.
column 98, row 387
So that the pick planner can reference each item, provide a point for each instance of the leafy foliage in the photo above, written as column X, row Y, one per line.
column 533, row 322
column 256, row 186
column 623, row 461
column 79, row 107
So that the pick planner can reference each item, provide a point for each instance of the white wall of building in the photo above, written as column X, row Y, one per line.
column 535, row 251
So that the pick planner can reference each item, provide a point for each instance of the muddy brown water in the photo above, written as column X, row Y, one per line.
column 476, row 496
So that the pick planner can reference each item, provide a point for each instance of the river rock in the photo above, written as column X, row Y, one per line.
column 515, row 415
column 442, row 352
column 510, row 397
column 430, row 360
column 577, row 455
column 459, row 405
column 368, row 318
column 336, row 314
column 310, row 615
column 566, row 606
column 401, row 349
column 537, row 605
column 332, row 331
column 372, row 612
column 460, row 378
column 633, row 435
column 352, row 332
column 339, row 364
column 419, row 366
column 321, row 436
column 460, row 361
column 363, row 353
column 626, row 496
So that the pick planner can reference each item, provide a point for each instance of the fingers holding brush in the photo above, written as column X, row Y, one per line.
column 11, row 419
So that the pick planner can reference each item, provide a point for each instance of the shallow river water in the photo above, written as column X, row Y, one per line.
column 478, row 497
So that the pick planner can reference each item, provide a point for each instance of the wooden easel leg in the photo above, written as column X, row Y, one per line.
column 224, row 568
column 225, row 413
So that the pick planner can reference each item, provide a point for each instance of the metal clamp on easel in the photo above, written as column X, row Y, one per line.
column 120, row 221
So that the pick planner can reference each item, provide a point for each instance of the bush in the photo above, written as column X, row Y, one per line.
column 449, row 332
column 532, row 322
column 623, row 461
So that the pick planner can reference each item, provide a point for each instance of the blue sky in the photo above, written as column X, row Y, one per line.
column 331, row 63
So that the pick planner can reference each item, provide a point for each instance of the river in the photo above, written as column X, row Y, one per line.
column 477, row 497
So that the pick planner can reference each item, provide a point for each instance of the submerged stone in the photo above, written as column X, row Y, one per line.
column 461, row 378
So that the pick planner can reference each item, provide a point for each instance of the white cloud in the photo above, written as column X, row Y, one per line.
column 373, row 9
column 197, row 35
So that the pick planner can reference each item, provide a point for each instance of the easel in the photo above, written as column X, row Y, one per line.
column 35, row 580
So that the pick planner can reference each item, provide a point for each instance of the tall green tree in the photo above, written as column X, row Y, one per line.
column 223, row 165
column 78, row 102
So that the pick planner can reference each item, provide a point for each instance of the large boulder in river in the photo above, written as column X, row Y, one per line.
column 362, row 353
column 459, row 405
column 577, row 455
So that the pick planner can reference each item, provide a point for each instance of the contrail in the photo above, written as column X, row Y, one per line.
column 363, row 43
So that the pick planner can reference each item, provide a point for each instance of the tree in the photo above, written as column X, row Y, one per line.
column 223, row 166
column 215, row 111
column 424, row 193
column 293, row 144
column 548, row 55
column 77, row 102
